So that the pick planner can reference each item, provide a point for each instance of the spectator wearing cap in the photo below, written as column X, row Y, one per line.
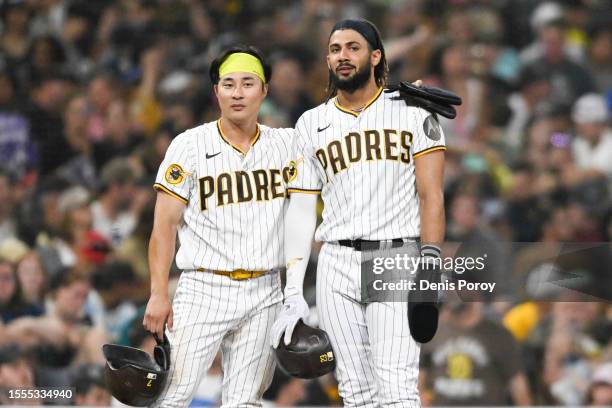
column 544, row 18
column 16, row 372
column 93, row 252
column 592, row 148
column 117, row 210
column 569, row 79
column 89, row 387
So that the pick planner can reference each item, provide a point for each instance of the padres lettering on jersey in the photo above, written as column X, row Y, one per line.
column 244, row 186
column 363, row 166
column 368, row 145
column 235, row 202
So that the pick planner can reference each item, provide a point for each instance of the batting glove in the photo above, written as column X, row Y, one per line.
column 423, row 303
column 294, row 309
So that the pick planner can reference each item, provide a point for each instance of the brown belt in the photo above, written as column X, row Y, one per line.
column 238, row 274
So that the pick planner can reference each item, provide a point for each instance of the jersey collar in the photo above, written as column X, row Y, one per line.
column 226, row 140
column 356, row 113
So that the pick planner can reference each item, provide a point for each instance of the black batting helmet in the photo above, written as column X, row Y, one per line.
column 132, row 376
column 309, row 355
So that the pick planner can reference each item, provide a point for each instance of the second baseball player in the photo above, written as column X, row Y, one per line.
column 378, row 166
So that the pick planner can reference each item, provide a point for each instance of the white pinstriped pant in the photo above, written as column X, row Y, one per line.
column 377, row 359
column 212, row 311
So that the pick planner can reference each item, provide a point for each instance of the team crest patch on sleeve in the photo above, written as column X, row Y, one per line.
column 175, row 174
column 292, row 172
column 431, row 127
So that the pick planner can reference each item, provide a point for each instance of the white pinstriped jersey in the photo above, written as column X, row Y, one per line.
column 363, row 166
column 235, row 203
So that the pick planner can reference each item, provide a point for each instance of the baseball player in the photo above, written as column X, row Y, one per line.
column 378, row 166
column 222, row 186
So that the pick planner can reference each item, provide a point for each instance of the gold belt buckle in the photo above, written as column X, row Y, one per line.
column 237, row 274
column 240, row 274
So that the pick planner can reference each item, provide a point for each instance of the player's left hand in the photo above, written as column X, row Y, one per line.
column 294, row 309
column 434, row 100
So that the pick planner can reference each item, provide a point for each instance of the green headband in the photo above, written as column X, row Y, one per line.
column 242, row 62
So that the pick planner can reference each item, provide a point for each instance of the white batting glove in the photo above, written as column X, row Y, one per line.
column 294, row 309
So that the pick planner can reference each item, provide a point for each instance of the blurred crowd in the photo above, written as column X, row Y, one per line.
column 93, row 91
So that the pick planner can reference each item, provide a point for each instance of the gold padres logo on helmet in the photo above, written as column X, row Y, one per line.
column 325, row 357
column 150, row 378
column 175, row 174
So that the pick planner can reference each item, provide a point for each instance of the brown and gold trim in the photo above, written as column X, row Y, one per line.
column 431, row 149
column 356, row 113
column 226, row 140
column 303, row 190
column 161, row 187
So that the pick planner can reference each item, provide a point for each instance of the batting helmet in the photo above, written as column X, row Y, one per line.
column 309, row 355
column 132, row 376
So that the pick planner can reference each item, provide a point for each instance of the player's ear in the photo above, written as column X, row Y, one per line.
column 264, row 88
column 375, row 57
column 216, row 89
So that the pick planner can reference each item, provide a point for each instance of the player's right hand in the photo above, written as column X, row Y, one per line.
column 158, row 314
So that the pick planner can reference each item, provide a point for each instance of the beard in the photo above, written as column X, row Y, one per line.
column 354, row 82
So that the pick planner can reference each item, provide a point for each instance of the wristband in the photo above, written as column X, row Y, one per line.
column 430, row 251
